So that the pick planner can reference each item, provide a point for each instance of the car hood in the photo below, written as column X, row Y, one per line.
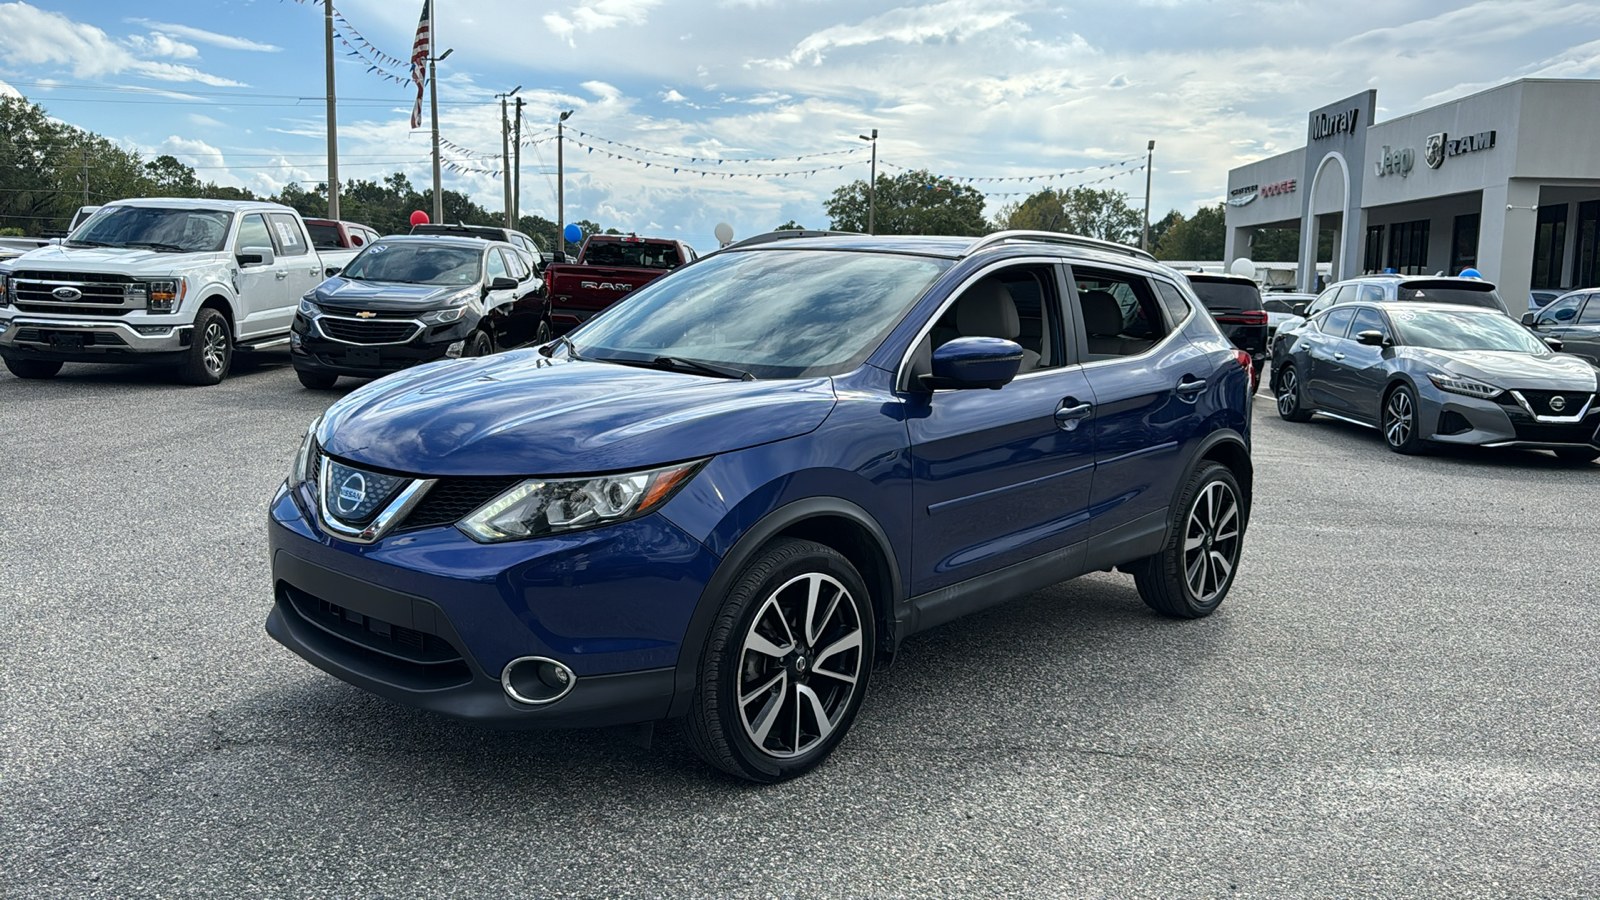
column 386, row 295
column 1514, row 371
column 519, row 413
column 111, row 260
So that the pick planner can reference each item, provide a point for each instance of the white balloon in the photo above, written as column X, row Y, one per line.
column 724, row 232
column 1243, row 266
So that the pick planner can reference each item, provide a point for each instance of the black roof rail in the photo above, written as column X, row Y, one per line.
column 788, row 234
column 1054, row 237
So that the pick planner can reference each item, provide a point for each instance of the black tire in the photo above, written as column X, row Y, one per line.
column 1578, row 454
column 479, row 344
column 1192, row 574
column 316, row 381
column 543, row 334
column 33, row 368
column 1399, row 422
column 210, row 350
column 1291, row 403
column 765, row 608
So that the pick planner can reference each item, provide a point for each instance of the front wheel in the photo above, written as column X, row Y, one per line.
column 1400, row 421
column 1194, row 571
column 479, row 344
column 543, row 335
column 1291, row 406
column 33, row 368
column 210, row 350
column 785, row 665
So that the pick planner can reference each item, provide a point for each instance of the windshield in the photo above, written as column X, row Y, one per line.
column 1227, row 295
column 324, row 237
column 772, row 313
column 173, row 230
column 1445, row 330
column 638, row 255
column 416, row 263
column 1452, row 292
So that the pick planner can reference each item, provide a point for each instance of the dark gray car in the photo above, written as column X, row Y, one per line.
column 1573, row 319
column 1425, row 373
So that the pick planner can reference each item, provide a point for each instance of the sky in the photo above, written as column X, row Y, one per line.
column 971, row 89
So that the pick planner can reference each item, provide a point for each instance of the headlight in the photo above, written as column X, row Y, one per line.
column 1455, row 384
column 300, row 469
column 5, row 291
column 164, row 296
column 308, row 309
column 443, row 316
column 539, row 507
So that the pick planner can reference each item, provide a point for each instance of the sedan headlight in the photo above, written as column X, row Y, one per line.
column 444, row 316
column 1456, row 384
column 300, row 468
column 309, row 309
column 540, row 507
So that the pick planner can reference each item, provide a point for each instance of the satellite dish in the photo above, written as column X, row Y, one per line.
column 724, row 233
column 1243, row 266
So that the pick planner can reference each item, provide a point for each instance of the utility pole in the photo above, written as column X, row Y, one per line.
column 505, row 151
column 333, row 119
column 86, row 172
column 561, row 184
column 1144, row 242
column 872, row 185
column 516, row 166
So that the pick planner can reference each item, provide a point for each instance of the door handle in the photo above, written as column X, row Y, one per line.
column 1068, row 417
column 282, row 275
column 1338, row 356
column 1190, row 388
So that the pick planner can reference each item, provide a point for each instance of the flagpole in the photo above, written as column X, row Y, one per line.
column 333, row 119
column 433, row 107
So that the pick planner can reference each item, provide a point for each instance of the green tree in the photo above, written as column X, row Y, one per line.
column 1089, row 212
column 170, row 178
column 1160, row 227
column 1283, row 245
column 1198, row 237
column 790, row 226
column 911, row 203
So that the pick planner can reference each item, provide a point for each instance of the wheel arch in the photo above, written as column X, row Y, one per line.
column 833, row 522
column 1231, row 450
column 222, row 305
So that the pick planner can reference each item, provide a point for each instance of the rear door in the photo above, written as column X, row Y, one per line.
column 1325, row 355
column 302, row 268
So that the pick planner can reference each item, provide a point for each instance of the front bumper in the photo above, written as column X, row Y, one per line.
column 429, row 618
column 1505, row 422
column 312, row 351
column 42, row 337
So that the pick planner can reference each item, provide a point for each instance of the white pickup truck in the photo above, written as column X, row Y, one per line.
column 164, row 281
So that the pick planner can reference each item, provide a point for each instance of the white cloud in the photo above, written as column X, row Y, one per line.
column 7, row 90
column 594, row 15
column 36, row 37
column 225, row 41
column 674, row 97
column 950, row 20
column 160, row 45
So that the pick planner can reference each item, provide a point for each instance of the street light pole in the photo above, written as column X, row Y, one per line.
column 1144, row 242
column 333, row 119
column 561, row 184
column 505, row 150
column 872, row 185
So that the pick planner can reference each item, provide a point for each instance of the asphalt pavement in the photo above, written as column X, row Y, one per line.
column 1400, row 697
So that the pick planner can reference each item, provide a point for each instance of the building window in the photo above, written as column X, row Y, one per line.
column 1372, row 261
column 1408, row 247
column 1586, row 268
column 1549, row 246
column 1464, row 244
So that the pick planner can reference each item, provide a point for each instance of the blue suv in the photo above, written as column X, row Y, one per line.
column 727, row 497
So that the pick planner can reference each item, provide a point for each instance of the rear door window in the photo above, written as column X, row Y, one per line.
column 1337, row 321
column 290, row 236
column 1591, row 312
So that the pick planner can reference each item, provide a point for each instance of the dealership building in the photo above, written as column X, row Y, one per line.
column 1506, row 181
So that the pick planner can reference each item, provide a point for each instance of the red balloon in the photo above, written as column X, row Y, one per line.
column 419, row 218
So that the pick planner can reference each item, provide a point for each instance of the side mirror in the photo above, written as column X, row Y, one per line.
column 255, row 256
column 558, row 256
column 1527, row 319
column 974, row 362
column 1554, row 343
column 502, row 283
column 1299, row 309
column 1373, row 339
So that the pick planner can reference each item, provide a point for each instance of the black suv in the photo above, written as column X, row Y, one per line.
column 1235, row 303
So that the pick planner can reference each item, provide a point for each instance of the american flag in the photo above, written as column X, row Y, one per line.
column 420, row 49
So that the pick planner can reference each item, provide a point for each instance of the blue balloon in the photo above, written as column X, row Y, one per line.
column 573, row 233
column 1471, row 273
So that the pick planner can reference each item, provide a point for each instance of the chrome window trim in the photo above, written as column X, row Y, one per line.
column 392, row 515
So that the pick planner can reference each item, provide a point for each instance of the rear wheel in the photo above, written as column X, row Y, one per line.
column 1400, row 422
column 1578, row 454
column 210, row 350
column 1290, row 405
column 33, row 368
column 1191, row 575
column 786, row 664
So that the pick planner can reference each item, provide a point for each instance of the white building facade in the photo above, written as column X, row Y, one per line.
column 1506, row 181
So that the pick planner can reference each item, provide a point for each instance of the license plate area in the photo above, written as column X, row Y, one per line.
column 361, row 357
column 65, row 340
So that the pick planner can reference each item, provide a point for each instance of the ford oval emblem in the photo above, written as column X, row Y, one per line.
column 1558, row 403
column 68, row 294
column 352, row 494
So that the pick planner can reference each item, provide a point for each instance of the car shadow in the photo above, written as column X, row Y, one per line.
column 1479, row 457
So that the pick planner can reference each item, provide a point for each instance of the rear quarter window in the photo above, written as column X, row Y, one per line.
column 1227, row 295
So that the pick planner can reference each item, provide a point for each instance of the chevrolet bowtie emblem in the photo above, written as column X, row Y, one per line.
column 366, row 315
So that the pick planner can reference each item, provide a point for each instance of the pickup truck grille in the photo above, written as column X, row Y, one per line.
column 30, row 286
column 375, row 331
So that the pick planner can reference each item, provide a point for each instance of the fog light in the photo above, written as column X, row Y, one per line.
column 454, row 350
column 536, row 680
column 294, row 341
column 153, row 329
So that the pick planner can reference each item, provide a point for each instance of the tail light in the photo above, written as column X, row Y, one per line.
column 1242, row 317
column 1249, row 366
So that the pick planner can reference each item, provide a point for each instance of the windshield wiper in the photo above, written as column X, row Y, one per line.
column 87, row 243
column 694, row 365
column 157, row 245
column 550, row 348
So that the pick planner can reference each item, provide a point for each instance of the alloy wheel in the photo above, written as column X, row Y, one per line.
column 214, row 348
column 1398, row 418
column 1211, row 541
column 1287, row 398
column 799, row 665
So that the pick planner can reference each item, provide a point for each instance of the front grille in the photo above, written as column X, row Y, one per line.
column 63, row 310
column 376, row 331
column 97, row 288
column 420, row 660
column 452, row 499
column 90, row 338
column 376, row 313
column 1539, row 432
column 1573, row 402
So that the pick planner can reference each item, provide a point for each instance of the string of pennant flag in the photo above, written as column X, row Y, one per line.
column 716, row 159
column 1136, row 161
column 705, row 172
column 1104, row 178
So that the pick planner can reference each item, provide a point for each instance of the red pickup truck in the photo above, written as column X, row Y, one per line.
column 609, row 267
